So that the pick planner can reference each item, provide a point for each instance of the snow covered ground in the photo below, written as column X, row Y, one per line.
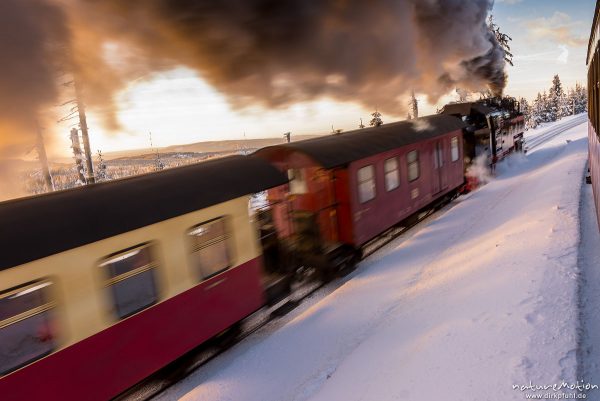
column 546, row 131
column 479, row 300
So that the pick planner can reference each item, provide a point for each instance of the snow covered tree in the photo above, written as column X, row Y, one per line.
column 538, row 110
column 579, row 99
column 376, row 121
column 556, row 103
column 502, row 38
column 524, row 105
column 570, row 100
column 101, row 171
column 527, row 111
column 546, row 108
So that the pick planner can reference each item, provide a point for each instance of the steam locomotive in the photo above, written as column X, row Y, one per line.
column 101, row 286
column 495, row 127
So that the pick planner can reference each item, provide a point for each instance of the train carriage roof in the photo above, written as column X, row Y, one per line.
column 465, row 108
column 40, row 226
column 340, row 149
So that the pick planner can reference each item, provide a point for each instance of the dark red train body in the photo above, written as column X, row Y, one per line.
column 103, row 365
column 347, row 189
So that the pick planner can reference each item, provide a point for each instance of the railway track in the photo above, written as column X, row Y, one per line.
column 554, row 131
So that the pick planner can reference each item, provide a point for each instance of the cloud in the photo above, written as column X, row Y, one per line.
column 563, row 57
column 510, row 1
column 558, row 28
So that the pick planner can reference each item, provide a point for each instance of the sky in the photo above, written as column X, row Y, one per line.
column 549, row 37
column 178, row 107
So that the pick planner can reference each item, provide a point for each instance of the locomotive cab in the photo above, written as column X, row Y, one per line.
column 494, row 127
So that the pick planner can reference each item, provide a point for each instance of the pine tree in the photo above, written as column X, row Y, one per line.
column 101, row 170
column 580, row 98
column 527, row 112
column 502, row 38
column 537, row 110
column 546, row 112
column 524, row 105
column 556, row 103
column 158, row 164
column 570, row 102
column 376, row 121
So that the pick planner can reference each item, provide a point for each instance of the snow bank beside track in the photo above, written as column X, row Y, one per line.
column 481, row 299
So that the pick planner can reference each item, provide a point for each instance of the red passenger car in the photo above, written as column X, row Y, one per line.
column 102, row 286
column 348, row 188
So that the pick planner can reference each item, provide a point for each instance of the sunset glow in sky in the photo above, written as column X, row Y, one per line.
column 549, row 37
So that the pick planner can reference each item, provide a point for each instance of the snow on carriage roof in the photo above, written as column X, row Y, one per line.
column 40, row 226
column 340, row 149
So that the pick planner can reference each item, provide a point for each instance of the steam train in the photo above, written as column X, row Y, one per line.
column 495, row 127
column 593, row 64
column 103, row 285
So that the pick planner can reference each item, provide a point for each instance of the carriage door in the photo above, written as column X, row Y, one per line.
column 365, row 212
column 438, row 166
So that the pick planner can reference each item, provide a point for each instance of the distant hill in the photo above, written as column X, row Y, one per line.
column 228, row 146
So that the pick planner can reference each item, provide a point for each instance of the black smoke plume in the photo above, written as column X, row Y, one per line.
column 267, row 52
column 31, row 31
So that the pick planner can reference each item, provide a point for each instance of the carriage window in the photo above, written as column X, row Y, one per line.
column 131, row 279
column 454, row 148
column 210, row 250
column 297, row 179
column 25, row 325
column 392, row 175
column 412, row 159
column 366, row 184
